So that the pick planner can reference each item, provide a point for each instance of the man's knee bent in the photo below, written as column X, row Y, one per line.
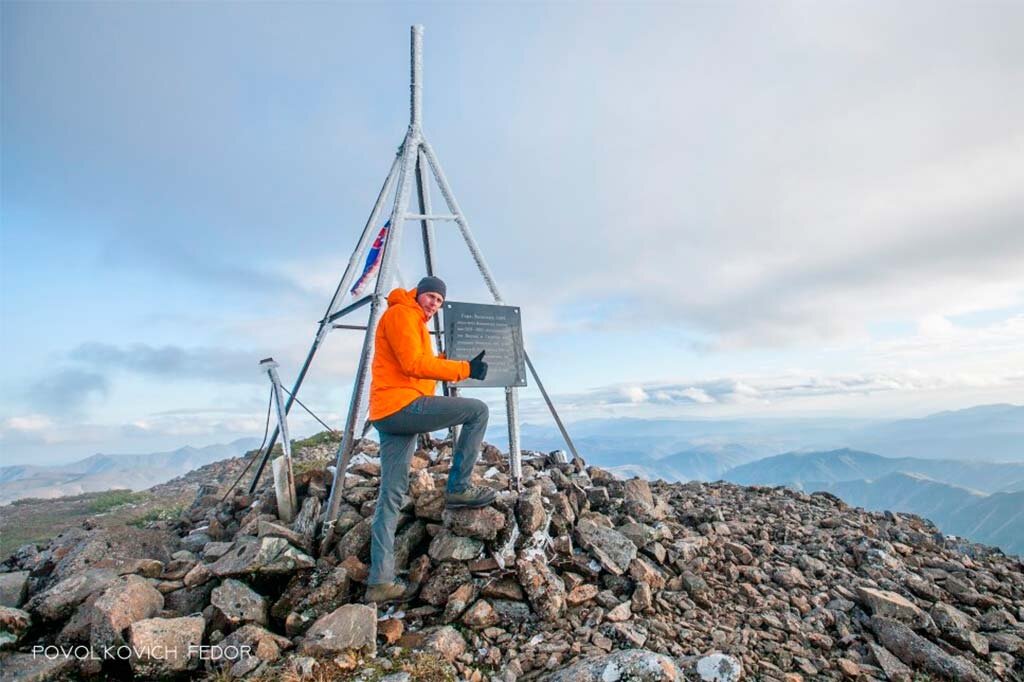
column 479, row 409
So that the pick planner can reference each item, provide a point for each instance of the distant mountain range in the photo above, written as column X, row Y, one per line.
column 106, row 472
column 987, row 432
column 710, row 448
column 996, row 519
column 799, row 468
column 964, row 469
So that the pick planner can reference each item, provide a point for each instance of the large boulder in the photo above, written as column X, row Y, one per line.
column 162, row 647
column 115, row 548
column 59, row 600
column 129, row 599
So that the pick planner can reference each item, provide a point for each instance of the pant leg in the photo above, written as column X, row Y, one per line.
column 467, row 450
column 396, row 451
column 433, row 413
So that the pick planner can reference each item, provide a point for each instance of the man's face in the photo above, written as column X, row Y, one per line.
column 430, row 302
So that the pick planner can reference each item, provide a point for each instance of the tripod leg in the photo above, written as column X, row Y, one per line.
column 409, row 152
column 339, row 294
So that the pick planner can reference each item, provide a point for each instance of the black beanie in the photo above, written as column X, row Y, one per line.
column 432, row 284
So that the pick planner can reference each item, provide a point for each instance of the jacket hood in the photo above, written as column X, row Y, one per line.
column 406, row 297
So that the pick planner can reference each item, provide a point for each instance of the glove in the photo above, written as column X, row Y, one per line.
column 477, row 367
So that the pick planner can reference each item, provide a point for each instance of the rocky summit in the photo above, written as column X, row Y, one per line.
column 579, row 576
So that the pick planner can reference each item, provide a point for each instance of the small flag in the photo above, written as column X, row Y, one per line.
column 372, row 260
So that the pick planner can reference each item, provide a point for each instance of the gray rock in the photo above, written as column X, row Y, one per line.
column 612, row 549
column 918, row 652
column 445, row 641
column 482, row 524
column 34, row 668
column 59, row 600
column 267, row 556
column 356, row 542
column 639, row 665
column 127, row 600
column 447, row 546
column 238, row 604
column 719, row 668
column 352, row 626
column 160, row 646
column 891, row 605
column 895, row 669
column 13, row 588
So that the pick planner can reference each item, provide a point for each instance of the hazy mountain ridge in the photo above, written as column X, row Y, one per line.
column 996, row 519
column 106, row 472
column 796, row 468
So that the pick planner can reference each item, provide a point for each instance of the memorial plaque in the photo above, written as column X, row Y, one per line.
column 472, row 327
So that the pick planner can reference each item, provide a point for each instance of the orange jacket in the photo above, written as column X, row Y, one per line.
column 404, row 364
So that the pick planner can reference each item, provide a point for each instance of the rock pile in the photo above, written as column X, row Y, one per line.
column 579, row 576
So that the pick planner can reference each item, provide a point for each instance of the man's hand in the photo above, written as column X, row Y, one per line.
column 477, row 367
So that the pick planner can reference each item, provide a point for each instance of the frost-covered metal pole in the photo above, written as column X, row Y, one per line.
column 511, row 393
column 416, row 82
column 339, row 294
column 409, row 154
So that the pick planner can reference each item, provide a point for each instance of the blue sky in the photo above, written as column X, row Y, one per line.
column 703, row 209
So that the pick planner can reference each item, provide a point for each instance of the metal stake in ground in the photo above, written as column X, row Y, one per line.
column 284, row 478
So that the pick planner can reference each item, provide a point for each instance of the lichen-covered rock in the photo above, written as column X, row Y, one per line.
column 612, row 549
column 543, row 587
column 447, row 546
column 127, row 600
column 637, row 664
column 163, row 647
column 530, row 512
column 14, row 623
column 446, row 641
column 483, row 523
column 59, row 600
column 719, row 668
column 267, row 556
column 237, row 604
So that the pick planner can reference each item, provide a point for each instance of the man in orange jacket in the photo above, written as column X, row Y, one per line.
column 403, row 405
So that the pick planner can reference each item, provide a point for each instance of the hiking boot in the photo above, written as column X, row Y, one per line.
column 472, row 497
column 388, row 593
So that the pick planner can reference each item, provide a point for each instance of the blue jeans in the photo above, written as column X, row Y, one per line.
column 398, row 443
